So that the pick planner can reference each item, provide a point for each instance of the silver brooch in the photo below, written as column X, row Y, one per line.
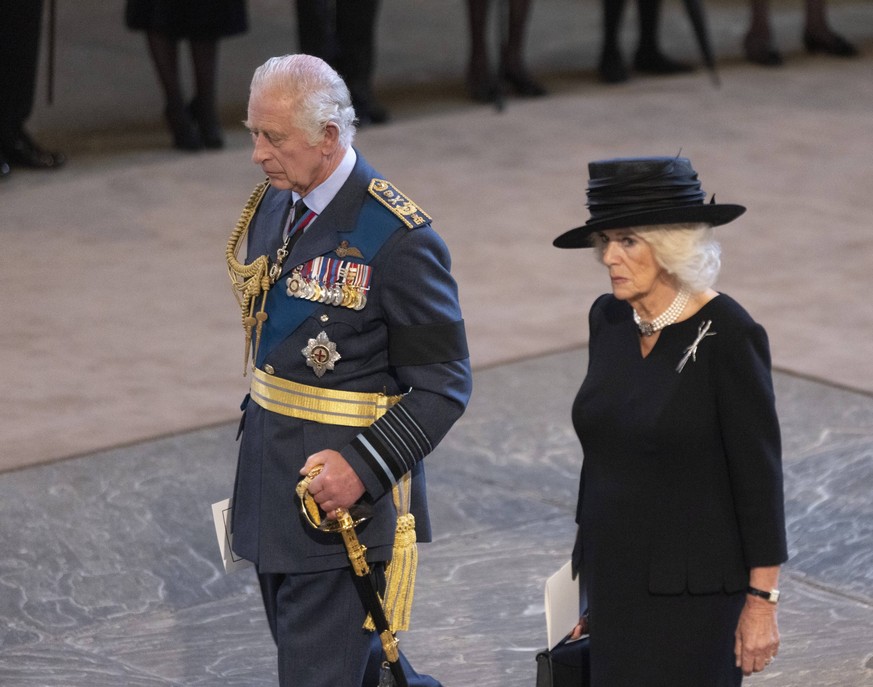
column 320, row 354
column 691, row 351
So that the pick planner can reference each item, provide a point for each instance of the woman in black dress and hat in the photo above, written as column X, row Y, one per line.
column 680, row 512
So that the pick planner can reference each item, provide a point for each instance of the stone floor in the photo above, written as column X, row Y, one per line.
column 111, row 574
column 115, row 441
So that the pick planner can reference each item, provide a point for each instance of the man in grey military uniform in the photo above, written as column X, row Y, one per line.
column 359, row 365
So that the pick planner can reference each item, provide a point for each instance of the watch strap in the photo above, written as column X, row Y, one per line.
column 772, row 596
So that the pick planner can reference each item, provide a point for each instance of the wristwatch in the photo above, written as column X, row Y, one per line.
column 772, row 596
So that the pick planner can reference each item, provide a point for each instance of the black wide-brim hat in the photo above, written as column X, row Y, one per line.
column 644, row 191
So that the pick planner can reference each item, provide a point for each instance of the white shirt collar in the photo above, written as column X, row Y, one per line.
column 319, row 197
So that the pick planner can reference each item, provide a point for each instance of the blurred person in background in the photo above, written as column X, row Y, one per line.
column 817, row 34
column 343, row 34
column 485, row 84
column 194, row 124
column 648, row 58
column 20, row 26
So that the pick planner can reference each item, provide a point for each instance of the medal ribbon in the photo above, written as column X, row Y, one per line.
column 328, row 272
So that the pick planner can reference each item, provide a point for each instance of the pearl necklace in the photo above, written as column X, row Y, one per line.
column 669, row 316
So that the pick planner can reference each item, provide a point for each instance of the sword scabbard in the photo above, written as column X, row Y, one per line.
column 390, row 645
column 356, row 551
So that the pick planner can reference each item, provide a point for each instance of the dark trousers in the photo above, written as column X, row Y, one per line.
column 342, row 33
column 316, row 620
column 311, row 653
column 20, row 22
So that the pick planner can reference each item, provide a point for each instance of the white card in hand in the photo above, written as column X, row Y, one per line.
column 562, row 604
column 221, row 513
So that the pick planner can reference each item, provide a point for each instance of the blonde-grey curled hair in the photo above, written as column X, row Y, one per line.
column 688, row 252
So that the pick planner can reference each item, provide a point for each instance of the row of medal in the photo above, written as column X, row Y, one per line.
column 331, row 281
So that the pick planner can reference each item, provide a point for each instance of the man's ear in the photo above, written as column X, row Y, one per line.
column 330, row 139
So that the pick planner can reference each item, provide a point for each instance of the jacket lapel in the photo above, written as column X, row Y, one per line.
column 338, row 218
column 268, row 236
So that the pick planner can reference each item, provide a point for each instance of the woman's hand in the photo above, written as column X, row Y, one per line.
column 581, row 628
column 757, row 636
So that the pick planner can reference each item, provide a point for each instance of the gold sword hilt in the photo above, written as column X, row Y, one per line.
column 344, row 523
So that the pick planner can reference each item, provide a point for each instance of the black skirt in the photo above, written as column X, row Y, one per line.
column 188, row 18
column 640, row 639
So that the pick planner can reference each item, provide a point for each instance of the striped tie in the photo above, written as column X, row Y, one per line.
column 295, row 227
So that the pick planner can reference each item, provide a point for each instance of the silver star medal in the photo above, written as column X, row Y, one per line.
column 320, row 354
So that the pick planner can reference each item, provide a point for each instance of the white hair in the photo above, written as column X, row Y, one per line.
column 320, row 95
column 688, row 252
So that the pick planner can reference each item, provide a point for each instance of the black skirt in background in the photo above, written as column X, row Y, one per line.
column 188, row 18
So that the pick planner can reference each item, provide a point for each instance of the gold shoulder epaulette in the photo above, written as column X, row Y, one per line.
column 408, row 212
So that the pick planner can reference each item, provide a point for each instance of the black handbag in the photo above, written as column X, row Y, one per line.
column 564, row 666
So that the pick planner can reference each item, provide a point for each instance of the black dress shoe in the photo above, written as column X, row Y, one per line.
column 367, row 109
column 5, row 170
column 523, row 84
column 22, row 151
column 611, row 68
column 656, row 62
column 833, row 44
column 183, row 129
column 208, row 124
column 374, row 113
column 485, row 89
column 761, row 51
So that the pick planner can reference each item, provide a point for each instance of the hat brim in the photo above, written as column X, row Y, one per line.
column 712, row 214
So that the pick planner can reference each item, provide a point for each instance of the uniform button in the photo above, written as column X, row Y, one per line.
column 269, row 369
column 325, row 317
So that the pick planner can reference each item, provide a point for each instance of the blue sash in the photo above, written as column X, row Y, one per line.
column 285, row 313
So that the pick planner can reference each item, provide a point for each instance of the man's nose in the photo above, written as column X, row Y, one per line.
column 258, row 149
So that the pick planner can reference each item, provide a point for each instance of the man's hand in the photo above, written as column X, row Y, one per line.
column 338, row 486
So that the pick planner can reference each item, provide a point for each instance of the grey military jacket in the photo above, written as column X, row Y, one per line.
column 408, row 339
